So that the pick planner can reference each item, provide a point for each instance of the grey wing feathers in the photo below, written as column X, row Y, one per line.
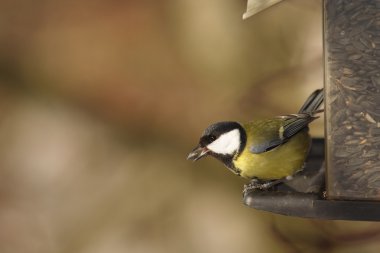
column 266, row 146
column 313, row 102
column 296, row 122
column 293, row 123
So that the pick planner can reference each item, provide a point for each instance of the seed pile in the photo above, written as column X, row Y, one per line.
column 352, row 54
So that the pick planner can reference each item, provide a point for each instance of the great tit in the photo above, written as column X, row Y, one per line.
column 266, row 151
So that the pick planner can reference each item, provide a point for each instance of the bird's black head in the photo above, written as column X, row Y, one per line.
column 222, row 140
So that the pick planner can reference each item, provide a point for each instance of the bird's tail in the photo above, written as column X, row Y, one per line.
column 312, row 103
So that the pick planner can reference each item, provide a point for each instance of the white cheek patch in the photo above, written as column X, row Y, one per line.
column 226, row 144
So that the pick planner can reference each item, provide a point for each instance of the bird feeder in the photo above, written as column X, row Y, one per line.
column 351, row 147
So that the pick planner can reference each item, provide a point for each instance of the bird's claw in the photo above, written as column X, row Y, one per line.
column 255, row 184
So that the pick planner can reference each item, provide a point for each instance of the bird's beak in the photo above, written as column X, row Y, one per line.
column 197, row 153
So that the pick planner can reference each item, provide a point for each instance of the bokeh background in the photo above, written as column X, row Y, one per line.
column 101, row 101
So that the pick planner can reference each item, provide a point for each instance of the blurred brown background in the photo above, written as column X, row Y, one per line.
column 100, row 102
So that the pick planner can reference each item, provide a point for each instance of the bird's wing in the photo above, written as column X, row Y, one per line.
column 271, row 134
column 265, row 146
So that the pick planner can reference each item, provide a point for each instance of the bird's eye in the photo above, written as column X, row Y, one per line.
column 212, row 138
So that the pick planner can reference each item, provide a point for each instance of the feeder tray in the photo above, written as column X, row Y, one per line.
column 303, row 196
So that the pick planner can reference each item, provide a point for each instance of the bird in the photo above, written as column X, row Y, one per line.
column 264, row 151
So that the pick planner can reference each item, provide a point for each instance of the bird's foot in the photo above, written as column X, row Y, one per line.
column 255, row 184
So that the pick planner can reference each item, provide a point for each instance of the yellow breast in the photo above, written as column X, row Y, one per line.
column 277, row 163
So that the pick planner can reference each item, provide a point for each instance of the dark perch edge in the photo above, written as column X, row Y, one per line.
column 309, row 203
